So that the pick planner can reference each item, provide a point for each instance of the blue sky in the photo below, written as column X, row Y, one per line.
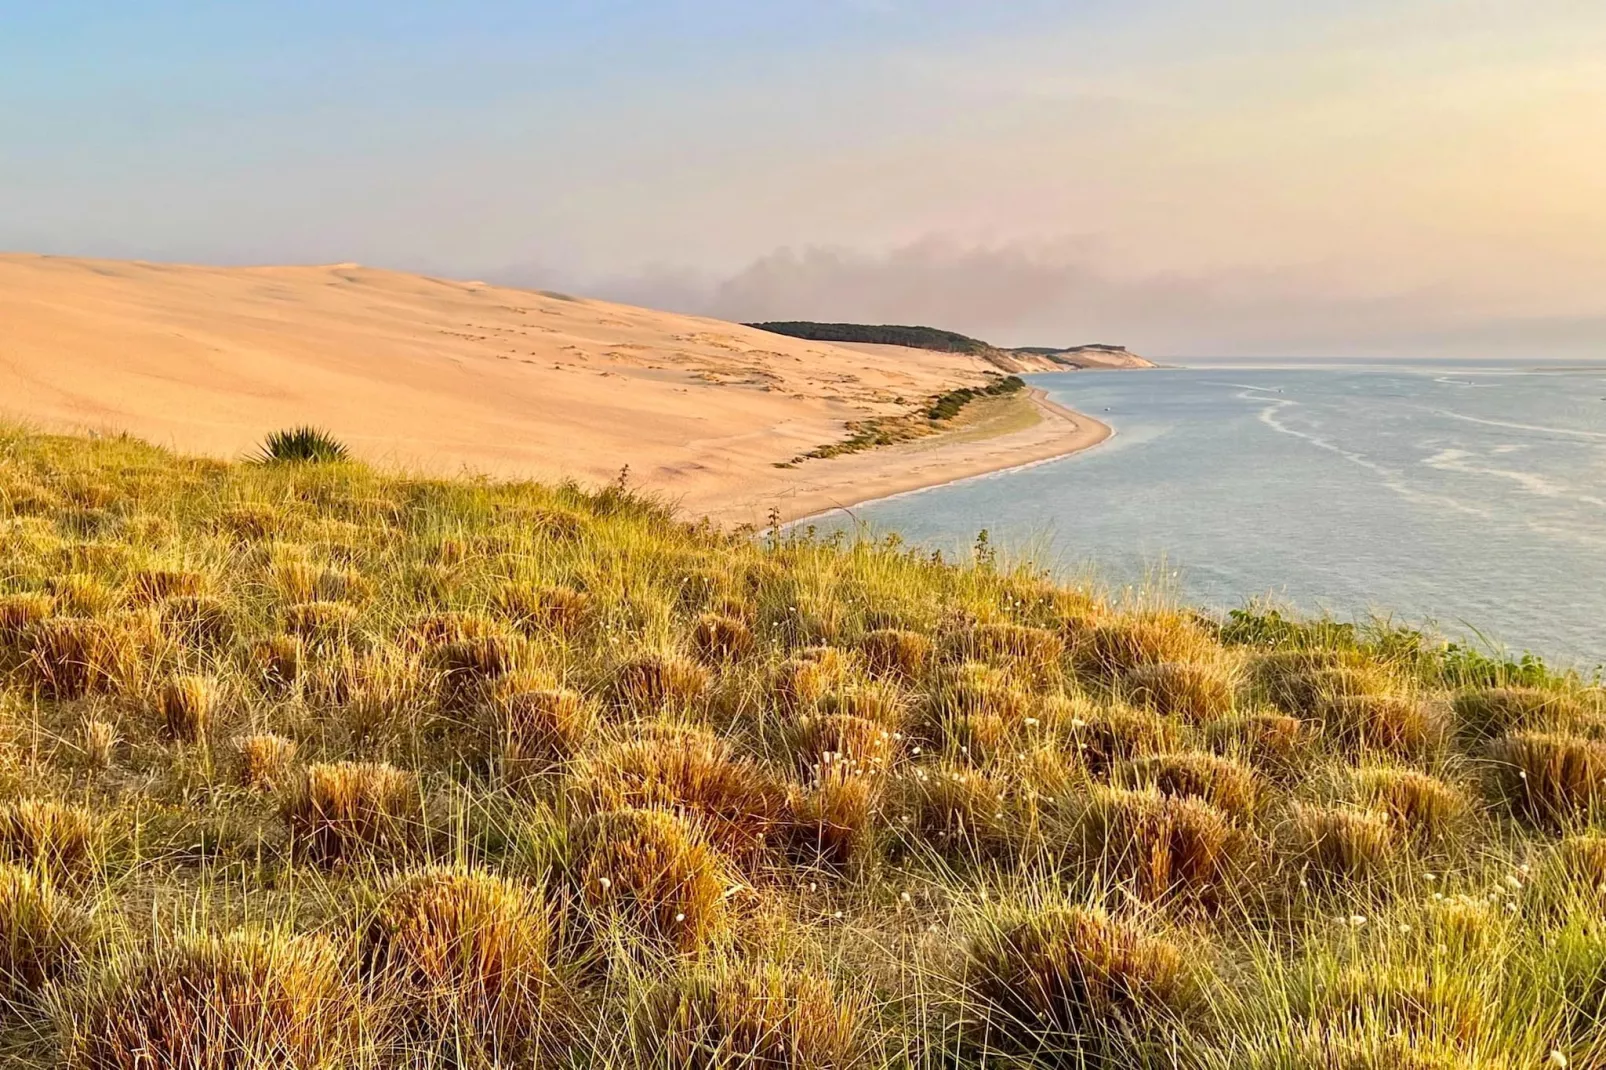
column 1185, row 175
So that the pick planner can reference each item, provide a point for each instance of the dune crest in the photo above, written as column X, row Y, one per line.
column 441, row 376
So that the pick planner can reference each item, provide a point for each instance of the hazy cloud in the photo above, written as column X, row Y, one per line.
column 1064, row 293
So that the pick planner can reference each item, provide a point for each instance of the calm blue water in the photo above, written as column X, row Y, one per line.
column 1472, row 499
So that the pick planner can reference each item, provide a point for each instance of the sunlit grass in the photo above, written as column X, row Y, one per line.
column 306, row 765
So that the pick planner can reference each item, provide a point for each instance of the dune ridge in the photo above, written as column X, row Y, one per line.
column 444, row 376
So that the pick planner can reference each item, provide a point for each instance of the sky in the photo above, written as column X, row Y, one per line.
column 1401, row 178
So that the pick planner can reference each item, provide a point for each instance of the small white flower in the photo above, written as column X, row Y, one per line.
column 604, row 883
column 1556, row 1058
column 1357, row 920
column 680, row 917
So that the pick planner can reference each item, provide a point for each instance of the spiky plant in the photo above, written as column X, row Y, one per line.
column 302, row 445
column 1391, row 724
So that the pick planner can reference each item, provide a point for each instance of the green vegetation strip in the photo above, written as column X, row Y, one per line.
column 303, row 765
column 889, row 430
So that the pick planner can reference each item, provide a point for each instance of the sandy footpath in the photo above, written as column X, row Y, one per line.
column 445, row 377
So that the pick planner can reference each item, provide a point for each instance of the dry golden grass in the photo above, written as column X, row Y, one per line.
column 1115, row 734
column 42, row 934
column 655, row 873
column 264, row 760
column 240, row 1000
column 820, row 743
column 1162, row 846
column 464, row 956
column 735, row 801
column 964, row 813
column 1078, row 986
column 347, row 811
column 765, row 1017
column 685, row 797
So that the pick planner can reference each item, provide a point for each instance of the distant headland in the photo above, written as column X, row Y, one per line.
column 1018, row 359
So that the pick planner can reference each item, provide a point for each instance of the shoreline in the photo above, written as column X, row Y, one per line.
column 894, row 471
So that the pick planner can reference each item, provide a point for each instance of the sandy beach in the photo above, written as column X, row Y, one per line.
column 440, row 377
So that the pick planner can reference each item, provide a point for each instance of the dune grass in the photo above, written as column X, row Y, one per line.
column 304, row 765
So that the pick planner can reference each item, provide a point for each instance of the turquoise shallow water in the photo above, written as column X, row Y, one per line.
column 1472, row 498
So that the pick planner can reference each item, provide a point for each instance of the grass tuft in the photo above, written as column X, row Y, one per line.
column 1550, row 779
column 1078, row 986
column 348, row 811
column 43, row 935
column 653, row 872
column 464, row 955
column 240, row 1000
column 264, row 760
column 764, row 1017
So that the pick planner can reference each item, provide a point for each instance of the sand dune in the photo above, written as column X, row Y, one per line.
column 442, row 376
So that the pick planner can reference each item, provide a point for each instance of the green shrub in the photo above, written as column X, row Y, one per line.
column 302, row 445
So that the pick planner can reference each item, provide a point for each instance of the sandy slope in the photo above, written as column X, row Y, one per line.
column 443, row 376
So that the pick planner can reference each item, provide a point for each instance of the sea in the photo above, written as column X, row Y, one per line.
column 1467, row 499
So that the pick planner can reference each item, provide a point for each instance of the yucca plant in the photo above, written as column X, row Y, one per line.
column 302, row 445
